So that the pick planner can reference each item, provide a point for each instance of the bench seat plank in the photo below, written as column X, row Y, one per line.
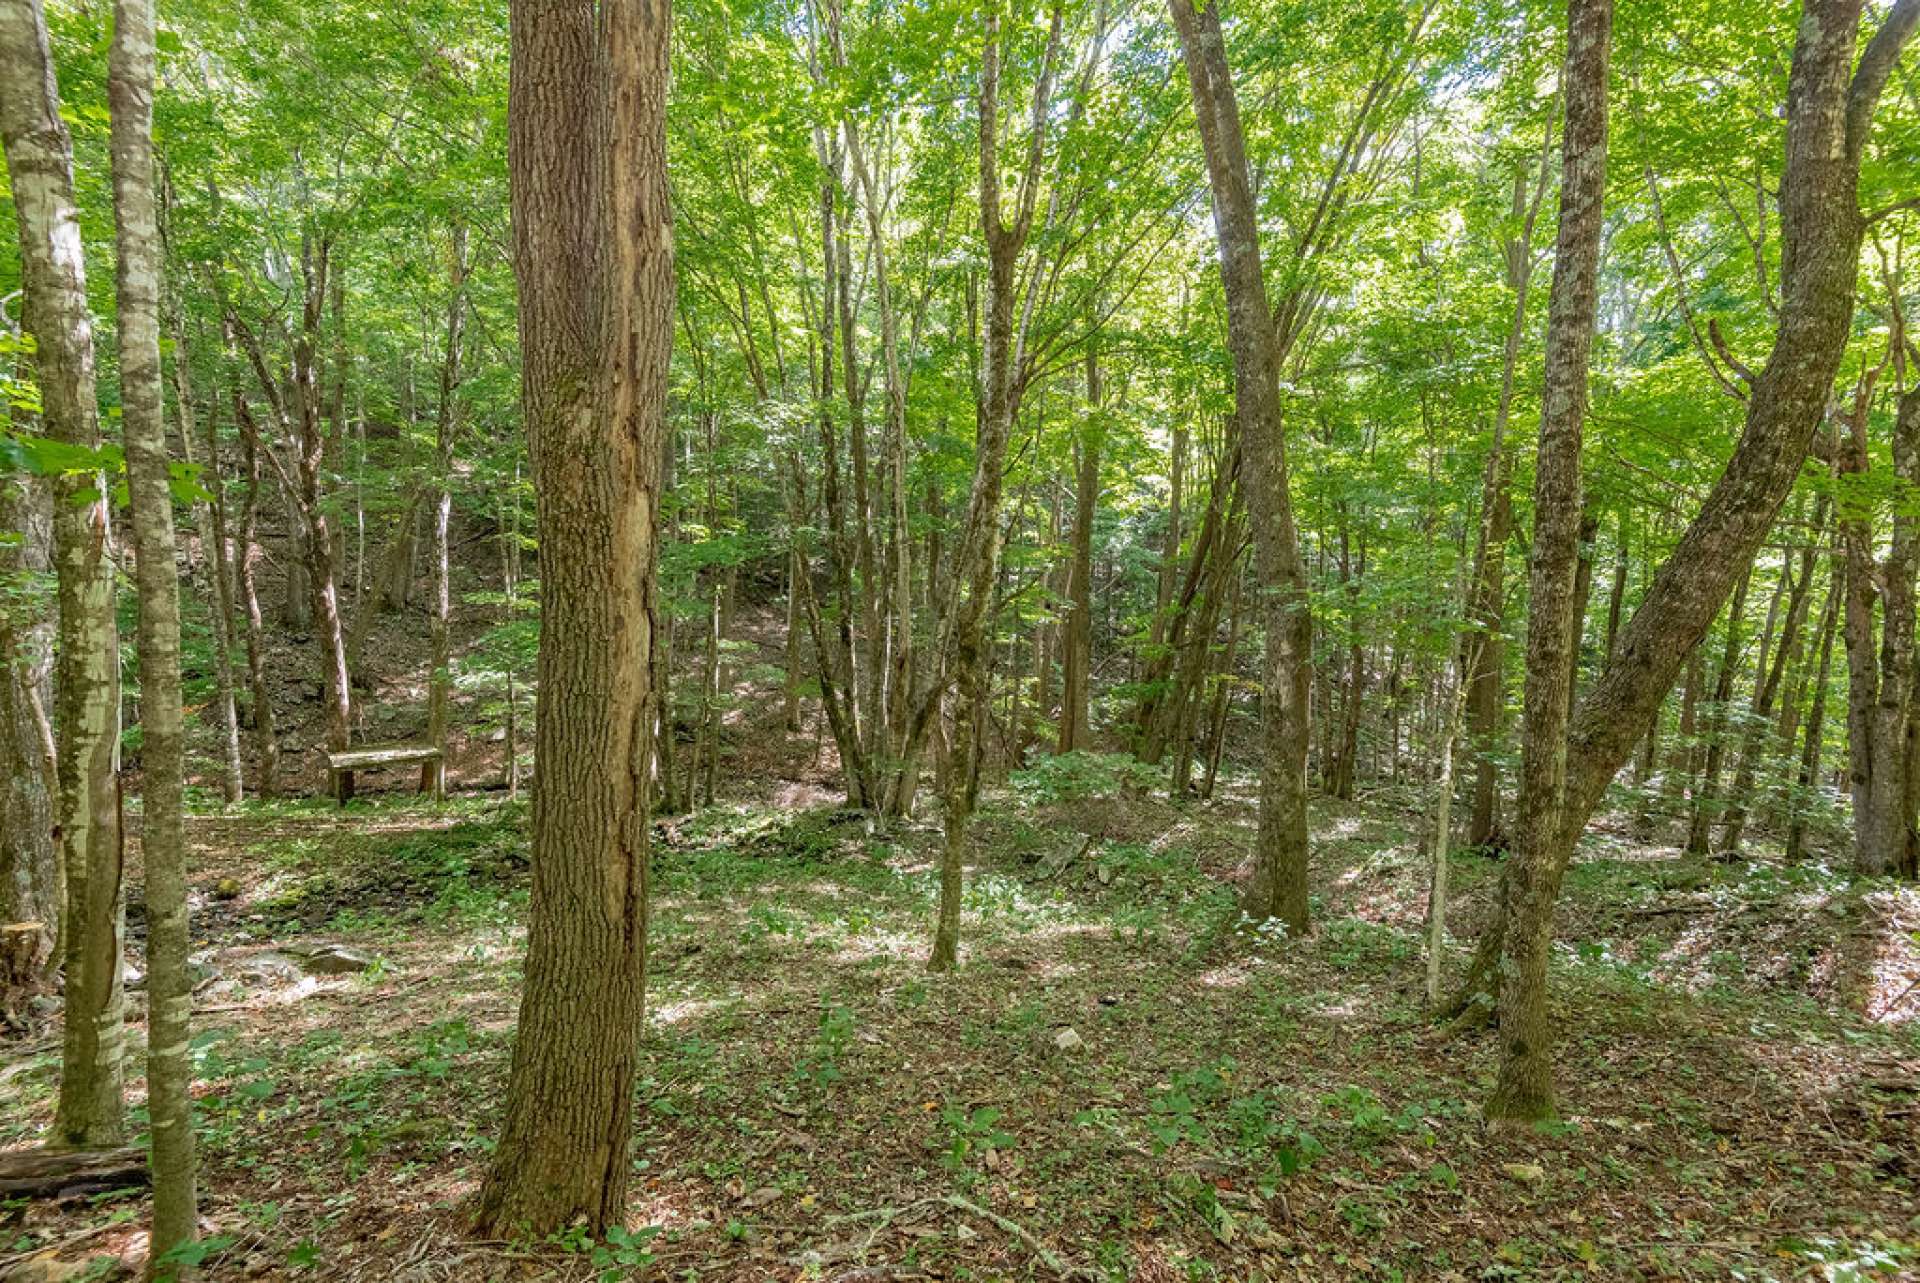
column 342, row 765
column 358, row 759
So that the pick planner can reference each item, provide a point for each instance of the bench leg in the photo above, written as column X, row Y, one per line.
column 345, row 791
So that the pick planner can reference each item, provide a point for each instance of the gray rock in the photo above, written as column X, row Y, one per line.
column 1068, row 1039
column 334, row 960
column 270, row 966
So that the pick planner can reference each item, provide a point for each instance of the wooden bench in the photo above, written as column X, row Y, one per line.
column 341, row 766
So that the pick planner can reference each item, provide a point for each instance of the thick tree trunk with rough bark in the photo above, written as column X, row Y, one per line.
column 1525, row 1086
column 130, row 71
column 510, row 600
column 1830, row 106
column 39, row 156
column 593, row 255
column 1278, row 889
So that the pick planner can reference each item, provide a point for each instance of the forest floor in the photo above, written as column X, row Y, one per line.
column 1739, row 1059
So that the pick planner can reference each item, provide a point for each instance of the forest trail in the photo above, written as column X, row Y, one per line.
column 1101, row 1082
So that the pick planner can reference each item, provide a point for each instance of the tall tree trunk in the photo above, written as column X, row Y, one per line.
column 1338, row 771
column 1049, row 633
column 1706, row 793
column 1223, row 693
column 1880, row 712
column 311, row 478
column 1077, row 659
column 447, row 434
column 1755, row 738
column 867, row 686
column 1213, row 547
column 1278, row 889
column 219, row 565
column 1809, row 771
column 1170, row 553
column 336, row 453
column 1525, row 1087
column 1829, row 113
column 593, row 255
column 888, row 602
column 39, row 156
column 701, row 769
column 304, row 480
column 838, row 657
column 665, row 745
column 1197, row 630
column 1453, row 714
column 266, row 743
column 896, row 678
column 790, row 686
column 163, row 745
column 976, row 563
column 32, row 890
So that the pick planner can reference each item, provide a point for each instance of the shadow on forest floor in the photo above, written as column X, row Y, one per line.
column 815, row 1106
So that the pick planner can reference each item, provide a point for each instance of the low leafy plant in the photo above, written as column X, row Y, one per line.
column 973, row 1132
column 1083, row 776
column 821, row 1065
column 624, row 1253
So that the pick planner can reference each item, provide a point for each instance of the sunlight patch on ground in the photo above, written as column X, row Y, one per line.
column 673, row 1013
column 1233, row 975
column 1346, row 1008
column 1342, row 830
column 868, row 945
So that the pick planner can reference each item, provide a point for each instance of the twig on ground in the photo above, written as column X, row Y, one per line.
column 1047, row 1256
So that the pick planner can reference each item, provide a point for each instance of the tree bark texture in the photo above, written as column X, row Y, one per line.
column 39, row 156
column 130, row 73
column 1829, row 110
column 1278, row 889
column 593, row 254
column 1524, row 1090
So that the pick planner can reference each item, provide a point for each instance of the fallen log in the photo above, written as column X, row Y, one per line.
column 55, row 1173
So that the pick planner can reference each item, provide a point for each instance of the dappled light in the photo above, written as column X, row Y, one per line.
column 1220, row 641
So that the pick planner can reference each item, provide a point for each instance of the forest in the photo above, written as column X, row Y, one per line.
column 959, row 640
